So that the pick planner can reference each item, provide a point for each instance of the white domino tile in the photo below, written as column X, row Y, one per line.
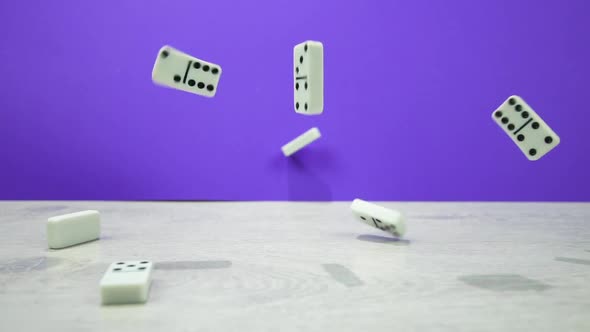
column 178, row 70
column 379, row 217
column 126, row 282
column 74, row 228
column 301, row 141
column 525, row 128
column 308, row 76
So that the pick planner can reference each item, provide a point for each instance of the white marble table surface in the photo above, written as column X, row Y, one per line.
column 287, row 266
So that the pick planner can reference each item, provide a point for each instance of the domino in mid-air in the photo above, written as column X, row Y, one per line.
column 385, row 219
column 301, row 141
column 526, row 128
column 178, row 70
column 126, row 282
column 308, row 67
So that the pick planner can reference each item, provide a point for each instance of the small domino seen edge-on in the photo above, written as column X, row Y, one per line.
column 385, row 219
column 184, row 72
column 126, row 282
column 308, row 67
column 301, row 141
column 73, row 228
column 525, row 127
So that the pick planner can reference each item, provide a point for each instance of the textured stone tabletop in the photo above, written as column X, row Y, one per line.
column 285, row 266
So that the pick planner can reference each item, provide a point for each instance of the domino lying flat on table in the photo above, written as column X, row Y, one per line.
column 74, row 228
column 379, row 217
column 526, row 128
column 126, row 282
column 308, row 66
column 184, row 72
column 301, row 141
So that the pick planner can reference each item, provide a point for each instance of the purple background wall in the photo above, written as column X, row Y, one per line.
column 410, row 87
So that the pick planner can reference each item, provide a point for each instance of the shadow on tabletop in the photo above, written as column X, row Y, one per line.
column 383, row 239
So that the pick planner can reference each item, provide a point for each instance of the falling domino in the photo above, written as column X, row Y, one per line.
column 74, row 228
column 380, row 217
column 301, row 141
column 525, row 127
column 308, row 59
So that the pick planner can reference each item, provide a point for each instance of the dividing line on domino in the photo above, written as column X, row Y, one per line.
column 301, row 141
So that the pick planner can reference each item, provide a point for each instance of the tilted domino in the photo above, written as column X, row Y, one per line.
column 525, row 128
column 126, row 282
column 385, row 219
column 301, row 141
column 74, row 228
column 178, row 70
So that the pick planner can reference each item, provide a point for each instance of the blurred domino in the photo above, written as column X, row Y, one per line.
column 74, row 228
column 301, row 141
column 525, row 127
column 126, row 282
column 308, row 67
column 379, row 217
column 178, row 70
